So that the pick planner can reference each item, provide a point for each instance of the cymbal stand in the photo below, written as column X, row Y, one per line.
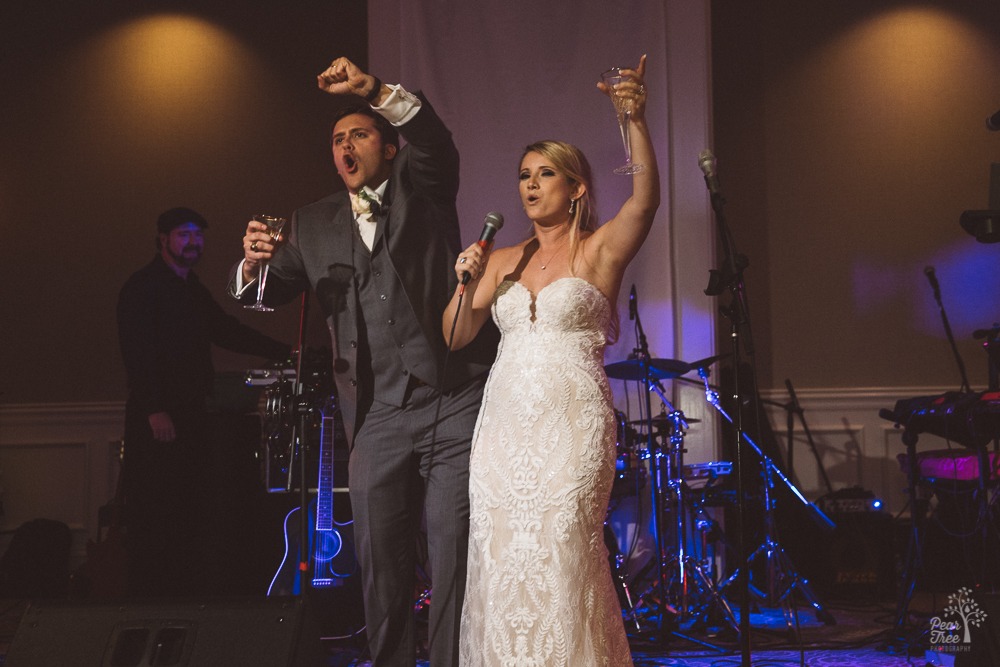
column 684, row 566
column 656, row 459
column 781, row 577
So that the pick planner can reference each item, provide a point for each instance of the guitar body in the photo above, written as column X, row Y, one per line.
column 331, row 563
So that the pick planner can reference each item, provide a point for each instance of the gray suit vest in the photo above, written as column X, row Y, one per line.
column 388, row 326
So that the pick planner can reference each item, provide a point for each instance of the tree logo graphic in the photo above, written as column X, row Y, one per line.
column 951, row 634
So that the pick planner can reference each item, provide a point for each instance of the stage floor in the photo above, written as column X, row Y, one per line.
column 862, row 634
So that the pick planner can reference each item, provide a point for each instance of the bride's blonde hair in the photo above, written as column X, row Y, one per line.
column 568, row 160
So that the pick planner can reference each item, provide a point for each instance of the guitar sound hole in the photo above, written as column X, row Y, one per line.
column 329, row 544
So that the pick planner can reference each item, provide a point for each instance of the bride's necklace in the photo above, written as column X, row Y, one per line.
column 551, row 257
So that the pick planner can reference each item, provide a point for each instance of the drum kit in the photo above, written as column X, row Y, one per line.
column 677, row 582
column 680, row 583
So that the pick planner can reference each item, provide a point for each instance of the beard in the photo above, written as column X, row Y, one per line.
column 187, row 257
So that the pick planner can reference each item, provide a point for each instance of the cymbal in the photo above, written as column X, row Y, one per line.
column 708, row 361
column 634, row 369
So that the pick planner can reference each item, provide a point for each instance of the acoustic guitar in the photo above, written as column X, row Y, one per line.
column 329, row 576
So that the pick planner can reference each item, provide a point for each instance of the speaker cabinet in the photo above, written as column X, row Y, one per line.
column 272, row 632
column 858, row 559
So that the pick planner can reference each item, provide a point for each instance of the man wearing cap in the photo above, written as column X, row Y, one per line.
column 167, row 324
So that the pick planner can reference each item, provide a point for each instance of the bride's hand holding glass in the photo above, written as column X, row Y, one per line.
column 627, row 90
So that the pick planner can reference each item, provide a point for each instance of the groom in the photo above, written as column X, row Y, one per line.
column 379, row 258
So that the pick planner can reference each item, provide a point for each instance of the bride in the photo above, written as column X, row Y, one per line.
column 539, row 591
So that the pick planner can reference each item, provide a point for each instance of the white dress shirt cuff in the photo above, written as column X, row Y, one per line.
column 240, row 287
column 399, row 107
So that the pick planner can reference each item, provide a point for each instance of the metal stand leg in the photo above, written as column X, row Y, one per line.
column 617, row 563
column 778, row 566
column 914, row 549
column 781, row 578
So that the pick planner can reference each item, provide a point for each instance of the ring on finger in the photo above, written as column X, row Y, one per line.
column 462, row 261
column 253, row 246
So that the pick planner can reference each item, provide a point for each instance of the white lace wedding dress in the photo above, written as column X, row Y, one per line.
column 539, row 591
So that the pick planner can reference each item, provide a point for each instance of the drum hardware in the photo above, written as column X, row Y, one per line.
column 679, row 576
column 687, row 584
column 641, row 367
column 284, row 401
column 711, row 470
column 616, row 559
column 630, row 475
column 638, row 368
column 702, row 478
column 781, row 577
column 264, row 377
column 661, row 422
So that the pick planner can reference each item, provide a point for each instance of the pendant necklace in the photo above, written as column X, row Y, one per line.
column 551, row 257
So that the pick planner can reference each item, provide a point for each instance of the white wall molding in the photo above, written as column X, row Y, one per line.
column 59, row 461
column 854, row 444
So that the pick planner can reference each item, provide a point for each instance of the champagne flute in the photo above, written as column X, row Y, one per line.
column 623, row 110
column 274, row 227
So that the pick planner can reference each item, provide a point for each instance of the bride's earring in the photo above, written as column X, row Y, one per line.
column 572, row 207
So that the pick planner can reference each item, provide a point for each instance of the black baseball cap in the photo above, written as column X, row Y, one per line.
column 176, row 217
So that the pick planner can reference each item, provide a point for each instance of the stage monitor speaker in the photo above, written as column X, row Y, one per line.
column 858, row 560
column 269, row 632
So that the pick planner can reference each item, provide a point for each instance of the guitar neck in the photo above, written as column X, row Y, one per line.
column 324, row 485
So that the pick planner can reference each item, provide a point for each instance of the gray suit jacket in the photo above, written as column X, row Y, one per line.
column 420, row 228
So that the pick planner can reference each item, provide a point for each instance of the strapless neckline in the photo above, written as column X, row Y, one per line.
column 535, row 295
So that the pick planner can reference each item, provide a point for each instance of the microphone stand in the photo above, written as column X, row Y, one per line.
column 642, row 353
column 947, row 328
column 302, row 410
column 794, row 409
column 982, row 454
column 730, row 277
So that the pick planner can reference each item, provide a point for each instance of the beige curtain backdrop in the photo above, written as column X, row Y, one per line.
column 504, row 74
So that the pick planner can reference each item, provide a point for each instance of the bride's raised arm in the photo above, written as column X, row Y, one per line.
column 617, row 241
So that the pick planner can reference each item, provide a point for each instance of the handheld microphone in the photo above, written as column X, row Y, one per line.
column 492, row 224
column 932, row 277
column 993, row 122
column 631, row 304
column 706, row 161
